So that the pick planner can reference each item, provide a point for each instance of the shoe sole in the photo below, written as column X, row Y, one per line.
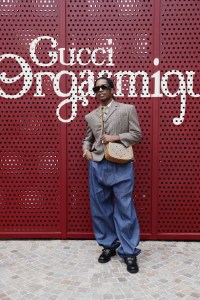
column 103, row 262
column 133, row 271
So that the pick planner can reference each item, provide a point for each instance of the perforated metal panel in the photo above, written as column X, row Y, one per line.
column 130, row 27
column 44, row 182
column 30, row 198
column 178, row 174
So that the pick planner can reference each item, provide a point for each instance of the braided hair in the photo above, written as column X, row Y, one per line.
column 109, row 81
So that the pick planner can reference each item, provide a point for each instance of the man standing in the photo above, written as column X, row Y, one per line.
column 111, row 184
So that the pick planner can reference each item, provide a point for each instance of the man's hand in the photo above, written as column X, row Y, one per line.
column 109, row 138
column 87, row 155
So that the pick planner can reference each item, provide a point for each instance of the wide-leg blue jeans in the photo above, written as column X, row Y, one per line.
column 114, row 217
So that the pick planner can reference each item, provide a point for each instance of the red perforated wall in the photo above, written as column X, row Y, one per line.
column 178, row 171
column 44, row 183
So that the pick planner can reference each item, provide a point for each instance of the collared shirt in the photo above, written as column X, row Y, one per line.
column 105, row 110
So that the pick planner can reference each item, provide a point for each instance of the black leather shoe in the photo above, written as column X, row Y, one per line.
column 132, row 266
column 106, row 255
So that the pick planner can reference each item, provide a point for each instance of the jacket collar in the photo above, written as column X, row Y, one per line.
column 111, row 110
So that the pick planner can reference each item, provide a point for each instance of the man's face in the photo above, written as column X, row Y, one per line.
column 104, row 95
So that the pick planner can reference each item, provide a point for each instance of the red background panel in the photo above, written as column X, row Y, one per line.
column 44, row 183
column 178, row 179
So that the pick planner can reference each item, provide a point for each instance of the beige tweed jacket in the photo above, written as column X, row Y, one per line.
column 121, row 120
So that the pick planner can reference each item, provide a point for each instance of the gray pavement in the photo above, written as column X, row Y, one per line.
column 68, row 269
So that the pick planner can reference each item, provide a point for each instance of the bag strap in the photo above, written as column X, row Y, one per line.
column 102, row 122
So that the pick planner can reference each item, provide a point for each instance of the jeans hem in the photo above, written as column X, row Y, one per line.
column 129, row 255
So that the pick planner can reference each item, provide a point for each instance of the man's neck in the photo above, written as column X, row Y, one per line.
column 106, row 103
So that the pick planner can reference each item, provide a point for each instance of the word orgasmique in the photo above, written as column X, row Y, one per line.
column 82, row 91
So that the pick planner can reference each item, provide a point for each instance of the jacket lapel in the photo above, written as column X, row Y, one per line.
column 98, row 111
column 112, row 109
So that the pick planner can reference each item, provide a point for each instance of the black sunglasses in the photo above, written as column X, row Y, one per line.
column 103, row 87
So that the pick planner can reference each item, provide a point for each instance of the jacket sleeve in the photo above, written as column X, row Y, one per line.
column 88, row 139
column 134, row 135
